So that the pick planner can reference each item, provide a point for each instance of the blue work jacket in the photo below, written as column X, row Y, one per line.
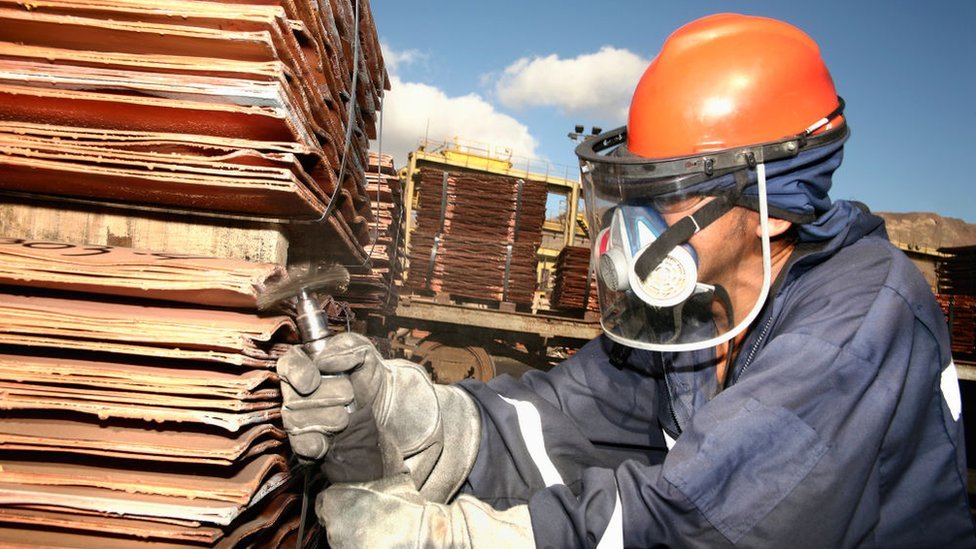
column 840, row 425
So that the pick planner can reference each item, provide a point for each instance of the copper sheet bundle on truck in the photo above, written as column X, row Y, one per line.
column 957, row 295
column 573, row 287
column 477, row 235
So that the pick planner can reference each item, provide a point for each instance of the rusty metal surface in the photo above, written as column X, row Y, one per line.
column 269, row 526
column 147, row 329
column 546, row 326
column 960, row 311
column 133, row 440
column 134, row 272
column 238, row 487
column 129, row 377
column 448, row 364
column 121, row 415
column 957, row 296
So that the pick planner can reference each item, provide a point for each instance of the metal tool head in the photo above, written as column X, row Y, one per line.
column 303, row 279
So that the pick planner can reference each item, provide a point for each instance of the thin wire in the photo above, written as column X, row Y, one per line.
column 379, row 180
column 301, row 524
column 350, row 113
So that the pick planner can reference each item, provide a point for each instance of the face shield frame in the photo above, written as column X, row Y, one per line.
column 608, row 169
column 647, row 177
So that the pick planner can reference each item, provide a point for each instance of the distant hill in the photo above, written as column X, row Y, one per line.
column 928, row 230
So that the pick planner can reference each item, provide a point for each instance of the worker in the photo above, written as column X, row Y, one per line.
column 772, row 373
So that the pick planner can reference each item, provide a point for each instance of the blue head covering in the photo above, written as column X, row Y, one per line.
column 798, row 188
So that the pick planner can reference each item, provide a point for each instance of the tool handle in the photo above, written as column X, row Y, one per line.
column 354, row 455
column 355, row 452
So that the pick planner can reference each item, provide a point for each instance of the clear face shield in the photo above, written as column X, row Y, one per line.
column 660, row 287
column 656, row 290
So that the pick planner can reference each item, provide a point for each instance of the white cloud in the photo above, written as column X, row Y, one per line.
column 393, row 59
column 413, row 111
column 596, row 84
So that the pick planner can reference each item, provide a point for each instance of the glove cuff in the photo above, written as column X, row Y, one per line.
column 461, row 432
column 476, row 524
column 422, row 419
column 390, row 513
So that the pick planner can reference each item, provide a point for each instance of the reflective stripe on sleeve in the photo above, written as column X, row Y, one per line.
column 950, row 390
column 530, row 426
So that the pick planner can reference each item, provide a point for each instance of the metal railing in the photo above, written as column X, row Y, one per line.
column 479, row 155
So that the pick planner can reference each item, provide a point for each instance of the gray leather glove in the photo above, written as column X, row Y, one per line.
column 314, row 405
column 416, row 419
column 391, row 513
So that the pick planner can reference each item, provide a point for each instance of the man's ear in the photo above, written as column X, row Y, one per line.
column 776, row 227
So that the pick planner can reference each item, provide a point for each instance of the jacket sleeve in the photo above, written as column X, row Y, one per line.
column 547, row 427
column 800, row 452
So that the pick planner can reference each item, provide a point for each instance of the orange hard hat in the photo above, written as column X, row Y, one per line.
column 727, row 81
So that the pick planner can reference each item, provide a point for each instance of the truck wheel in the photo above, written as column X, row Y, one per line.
column 448, row 364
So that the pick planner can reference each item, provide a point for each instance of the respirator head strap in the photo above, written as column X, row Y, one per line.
column 682, row 231
column 687, row 226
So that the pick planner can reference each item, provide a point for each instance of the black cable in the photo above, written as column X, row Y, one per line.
column 304, row 514
column 350, row 113
column 328, row 211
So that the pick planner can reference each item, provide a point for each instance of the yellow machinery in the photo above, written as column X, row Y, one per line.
column 499, row 160
column 458, row 339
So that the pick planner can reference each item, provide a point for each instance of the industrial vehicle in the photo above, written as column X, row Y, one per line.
column 456, row 336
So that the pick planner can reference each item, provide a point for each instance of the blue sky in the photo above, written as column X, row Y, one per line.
column 522, row 74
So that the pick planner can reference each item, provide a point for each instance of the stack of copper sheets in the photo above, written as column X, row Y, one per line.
column 573, row 288
column 130, row 420
column 386, row 253
column 229, row 107
column 957, row 295
column 134, row 273
column 960, row 311
column 138, row 399
column 477, row 235
column 956, row 271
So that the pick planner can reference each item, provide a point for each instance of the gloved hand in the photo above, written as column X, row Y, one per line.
column 409, row 411
column 391, row 513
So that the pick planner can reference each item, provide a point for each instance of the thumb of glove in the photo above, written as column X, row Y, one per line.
column 355, row 355
column 297, row 370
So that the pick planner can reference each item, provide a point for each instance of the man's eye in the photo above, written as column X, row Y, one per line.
column 675, row 204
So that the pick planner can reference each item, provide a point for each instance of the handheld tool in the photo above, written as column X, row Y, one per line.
column 354, row 455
